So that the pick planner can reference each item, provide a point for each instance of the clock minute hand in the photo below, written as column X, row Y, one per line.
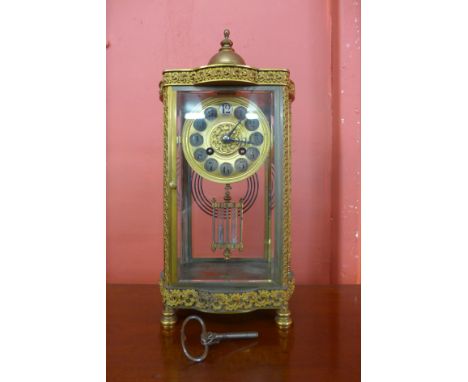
column 235, row 127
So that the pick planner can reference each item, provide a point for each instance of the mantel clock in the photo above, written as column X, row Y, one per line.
column 227, row 188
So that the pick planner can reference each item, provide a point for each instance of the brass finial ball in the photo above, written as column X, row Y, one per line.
column 226, row 43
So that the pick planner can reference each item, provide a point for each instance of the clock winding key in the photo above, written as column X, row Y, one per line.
column 209, row 338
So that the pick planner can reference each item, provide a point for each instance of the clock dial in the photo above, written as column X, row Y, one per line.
column 225, row 146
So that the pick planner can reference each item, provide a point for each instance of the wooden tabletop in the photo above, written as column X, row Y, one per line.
column 323, row 343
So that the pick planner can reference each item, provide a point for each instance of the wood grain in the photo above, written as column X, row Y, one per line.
column 322, row 345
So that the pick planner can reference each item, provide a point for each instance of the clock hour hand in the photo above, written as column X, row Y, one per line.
column 229, row 140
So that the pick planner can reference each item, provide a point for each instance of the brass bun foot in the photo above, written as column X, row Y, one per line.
column 168, row 317
column 283, row 318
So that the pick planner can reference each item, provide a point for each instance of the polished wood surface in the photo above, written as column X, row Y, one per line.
column 323, row 343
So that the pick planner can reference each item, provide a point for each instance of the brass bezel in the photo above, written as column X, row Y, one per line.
column 255, row 165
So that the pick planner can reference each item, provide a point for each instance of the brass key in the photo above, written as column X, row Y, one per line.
column 209, row 338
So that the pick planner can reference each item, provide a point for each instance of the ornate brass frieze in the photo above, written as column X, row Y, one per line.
column 166, row 177
column 226, row 73
column 286, row 268
column 218, row 302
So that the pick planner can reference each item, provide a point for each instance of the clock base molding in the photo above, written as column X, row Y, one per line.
column 213, row 301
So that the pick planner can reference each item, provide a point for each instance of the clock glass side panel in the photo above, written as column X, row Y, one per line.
column 229, row 182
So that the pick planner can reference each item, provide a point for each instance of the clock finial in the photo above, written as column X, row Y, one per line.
column 227, row 42
column 226, row 54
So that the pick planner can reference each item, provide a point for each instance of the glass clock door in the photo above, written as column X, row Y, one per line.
column 228, row 149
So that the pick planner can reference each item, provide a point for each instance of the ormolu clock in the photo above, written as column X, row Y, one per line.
column 227, row 182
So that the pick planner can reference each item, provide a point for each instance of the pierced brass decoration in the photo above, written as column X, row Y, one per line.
column 216, row 138
column 167, row 188
column 286, row 268
column 226, row 74
column 218, row 302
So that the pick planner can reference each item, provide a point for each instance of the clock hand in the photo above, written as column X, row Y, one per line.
column 235, row 127
column 238, row 141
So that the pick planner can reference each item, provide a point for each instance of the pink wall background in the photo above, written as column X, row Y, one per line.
column 317, row 40
column 346, row 142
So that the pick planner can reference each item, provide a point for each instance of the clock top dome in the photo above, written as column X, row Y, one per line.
column 226, row 54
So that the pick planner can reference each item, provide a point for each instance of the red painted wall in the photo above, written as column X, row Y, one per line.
column 148, row 36
column 346, row 142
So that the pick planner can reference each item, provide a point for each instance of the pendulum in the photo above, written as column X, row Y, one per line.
column 227, row 222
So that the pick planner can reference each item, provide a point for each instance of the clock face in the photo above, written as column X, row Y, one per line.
column 226, row 139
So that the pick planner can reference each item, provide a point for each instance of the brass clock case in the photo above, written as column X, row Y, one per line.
column 226, row 154
column 197, row 274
